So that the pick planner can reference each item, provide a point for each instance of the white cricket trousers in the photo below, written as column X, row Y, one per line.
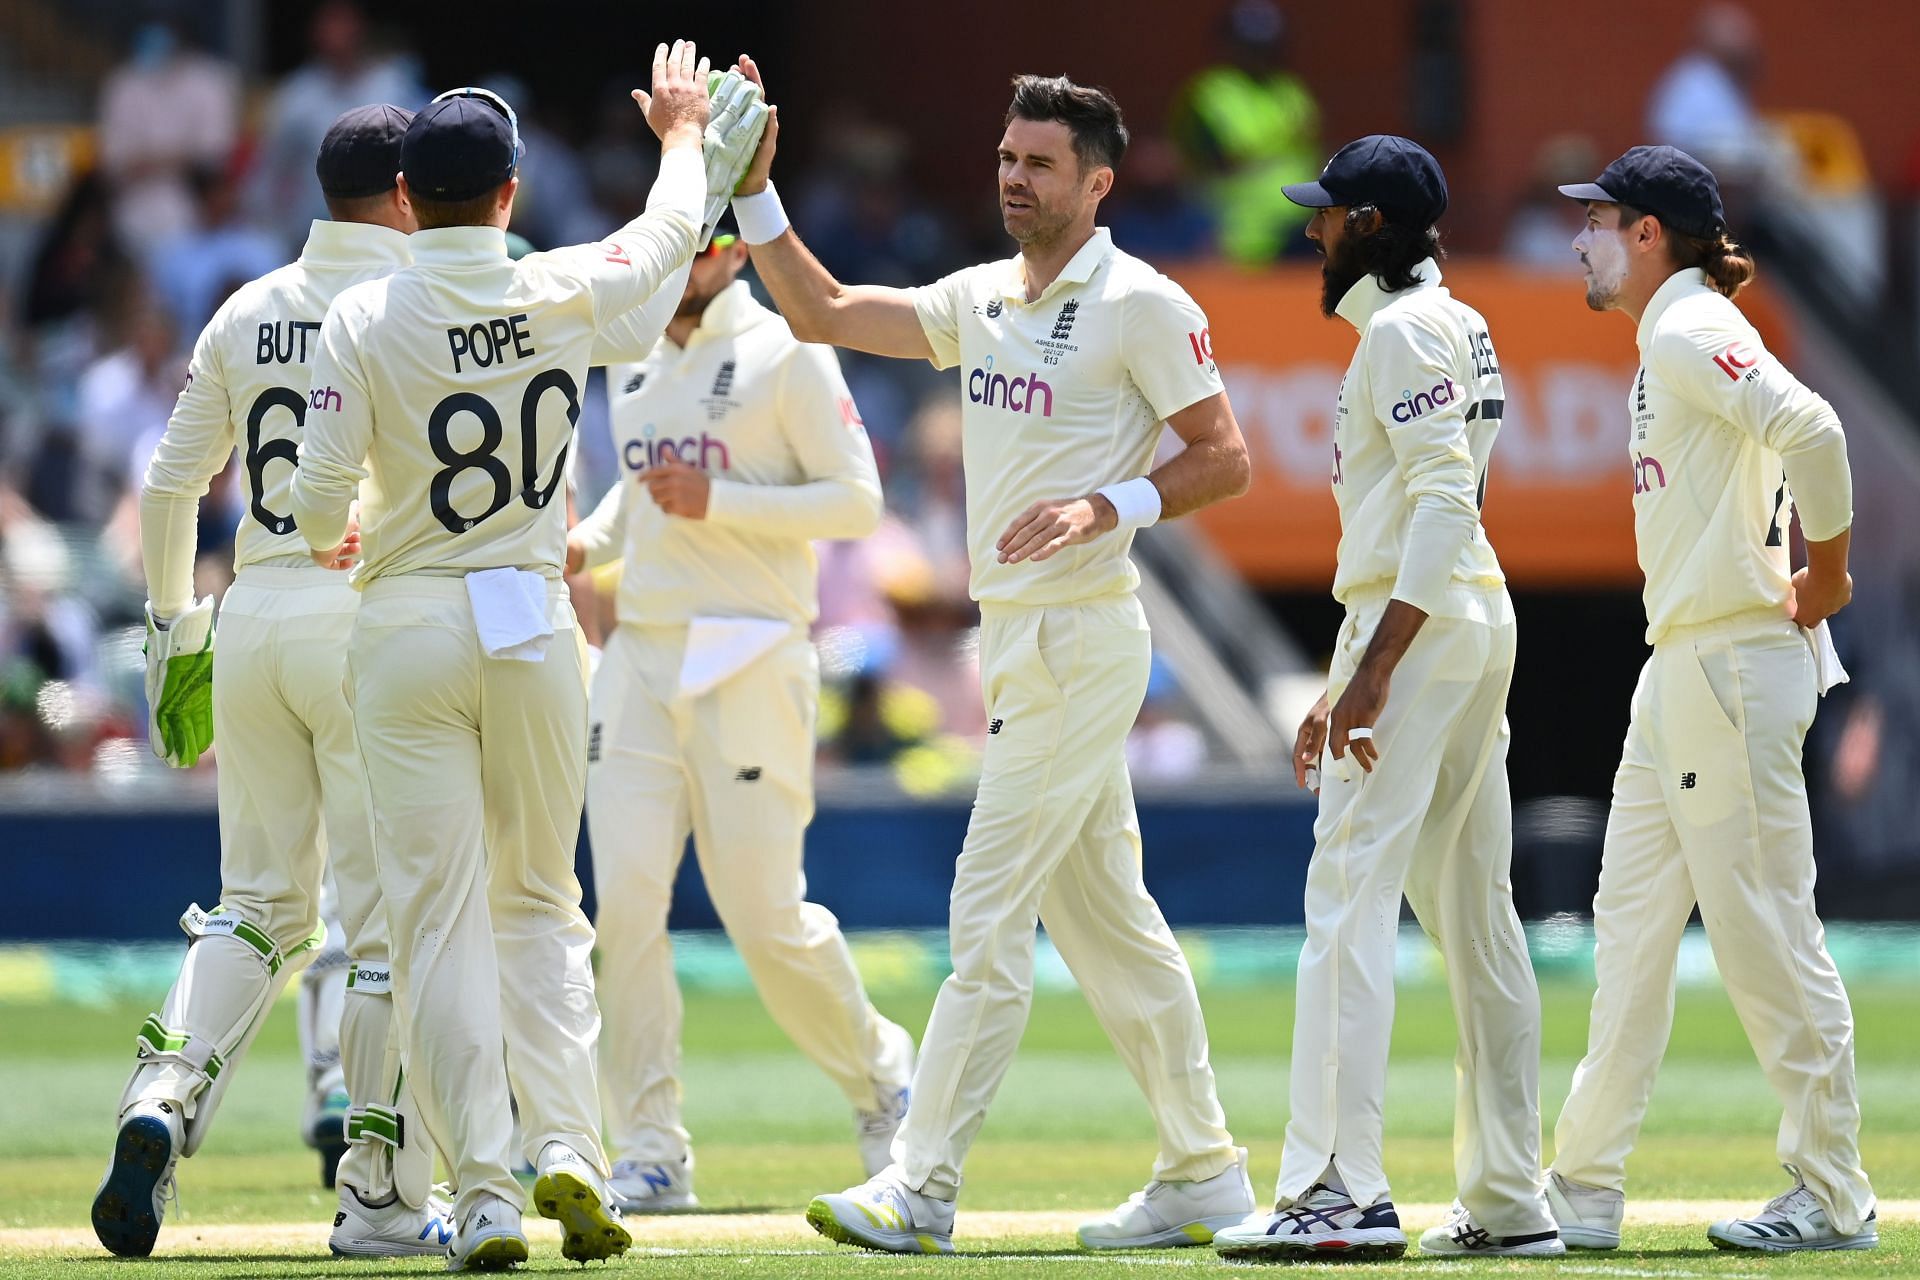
column 734, row 766
column 1433, row 821
column 477, row 767
column 1710, row 806
column 1054, row 839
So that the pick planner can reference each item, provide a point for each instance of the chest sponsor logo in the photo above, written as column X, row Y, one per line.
column 1412, row 404
column 1648, row 474
column 1735, row 360
column 1021, row 393
column 649, row 449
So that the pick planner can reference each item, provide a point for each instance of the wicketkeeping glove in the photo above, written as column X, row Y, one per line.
column 738, row 120
column 180, row 685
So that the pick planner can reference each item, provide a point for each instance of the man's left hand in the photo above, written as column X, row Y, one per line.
column 1817, row 597
column 1359, row 707
column 679, row 490
column 1045, row 527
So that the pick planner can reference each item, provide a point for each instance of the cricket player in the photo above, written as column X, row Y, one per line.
column 292, row 791
column 1073, row 354
column 1412, row 783
column 451, row 388
column 738, row 446
column 1710, row 804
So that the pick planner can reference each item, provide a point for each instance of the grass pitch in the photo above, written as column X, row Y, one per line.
column 1068, row 1137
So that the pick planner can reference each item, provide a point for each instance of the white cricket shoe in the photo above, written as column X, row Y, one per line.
column 884, row 1213
column 489, row 1238
column 1460, row 1235
column 1324, row 1223
column 392, row 1230
column 639, row 1187
column 132, row 1199
column 1175, row 1213
column 569, row 1190
column 1790, row 1223
column 1589, row 1216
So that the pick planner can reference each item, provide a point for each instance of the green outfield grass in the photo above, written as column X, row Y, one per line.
column 1068, row 1134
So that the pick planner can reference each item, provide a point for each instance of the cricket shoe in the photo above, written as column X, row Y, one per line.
column 570, row 1191
column 132, row 1199
column 886, row 1214
column 324, row 1128
column 1324, row 1223
column 874, row 1131
column 639, row 1187
column 1169, row 1214
column 392, row 1230
column 490, row 1238
column 1461, row 1235
column 1589, row 1216
column 1790, row 1223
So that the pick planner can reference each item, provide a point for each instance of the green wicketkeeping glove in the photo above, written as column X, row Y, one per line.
column 733, row 134
column 180, row 685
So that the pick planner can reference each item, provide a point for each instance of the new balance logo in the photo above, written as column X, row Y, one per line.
column 657, row 1178
column 633, row 384
column 339, row 1217
column 438, row 1227
column 993, row 726
column 994, row 309
column 1688, row 781
column 749, row 774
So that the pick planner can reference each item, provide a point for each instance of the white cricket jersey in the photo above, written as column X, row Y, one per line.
column 247, row 387
column 1419, row 408
column 1720, row 427
column 771, row 422
column 1061, row 396
column 452, row 388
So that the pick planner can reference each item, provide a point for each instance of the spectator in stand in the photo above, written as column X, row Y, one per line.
column 1251, row 127
column 1545, row 222
column 622, row 156
column 1162, row 746
column 166, row 112
column 1153, row 211
column 194, row 271
column 125, row 399
column 348, row 68
column 554, row 205
column 1703, row 103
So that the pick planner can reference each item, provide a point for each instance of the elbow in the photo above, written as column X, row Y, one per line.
column 1239, row 470
column 809, row 326
column 867, row 513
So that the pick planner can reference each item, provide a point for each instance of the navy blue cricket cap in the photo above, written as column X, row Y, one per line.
column 1395, row 175
column 361, row 153
column 463, row 144
column 1665, row 182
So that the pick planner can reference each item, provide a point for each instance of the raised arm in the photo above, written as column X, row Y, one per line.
column 818, row 308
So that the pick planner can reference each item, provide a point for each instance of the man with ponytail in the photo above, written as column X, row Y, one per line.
column 1710, row 804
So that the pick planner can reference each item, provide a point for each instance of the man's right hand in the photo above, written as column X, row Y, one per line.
column 678, row 108
column 760, row 171
column 576, row 555
column 1310, row 742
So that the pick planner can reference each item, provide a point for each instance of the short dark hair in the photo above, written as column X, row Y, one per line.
column 476, row 211
column 1729, row 267
column 1089, row 112
column 356, row 208
column 1393, row 250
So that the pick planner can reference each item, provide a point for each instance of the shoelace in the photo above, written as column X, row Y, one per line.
column 1790, row 1199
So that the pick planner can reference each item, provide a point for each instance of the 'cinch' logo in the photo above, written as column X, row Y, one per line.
column 323, row 398
column 1411, row 406
column 1017, row 395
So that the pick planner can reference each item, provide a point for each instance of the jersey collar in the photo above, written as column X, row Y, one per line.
column 353, row 244
column 1366, row 297
column 1677, row 286
column 731, row 310
column 1079, row 269
column 460, row 247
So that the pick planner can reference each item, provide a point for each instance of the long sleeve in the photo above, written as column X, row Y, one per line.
column 1725, row 371
column 629, row 338
column 840, row 498
column 627, row 268
column 195, row 446
column 339, row 433
column 603, row 534
column 1431, row 448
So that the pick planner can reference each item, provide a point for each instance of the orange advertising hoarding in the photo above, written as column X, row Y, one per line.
column 1559, row 505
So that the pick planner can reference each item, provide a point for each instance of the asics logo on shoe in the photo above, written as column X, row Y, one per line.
column 438, row 1227
column 1468, row 1235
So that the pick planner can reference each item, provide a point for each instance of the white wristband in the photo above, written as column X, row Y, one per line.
column 760, row 216
column 1135, row 501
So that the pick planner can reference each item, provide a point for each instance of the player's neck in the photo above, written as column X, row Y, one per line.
column 680, row 328
column 1043, row 263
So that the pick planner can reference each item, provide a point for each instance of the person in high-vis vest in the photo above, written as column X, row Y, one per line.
column 444, row 397
column 1710, row 800
column 1073, row 355
column 1249, row 127
column 1408, row 752
column 738, row 447
column 292, row 789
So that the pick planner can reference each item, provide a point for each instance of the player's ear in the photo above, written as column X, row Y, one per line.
column 507, row 191
column 1101, row 181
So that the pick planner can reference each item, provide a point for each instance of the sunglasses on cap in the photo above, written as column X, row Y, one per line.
column 495, row 101
column 718, row 243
